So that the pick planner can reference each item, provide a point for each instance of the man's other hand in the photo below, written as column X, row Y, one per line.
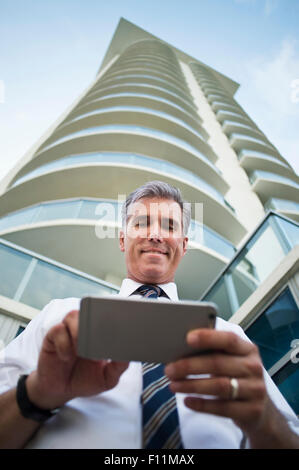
column 61, row 375
column 230, row 357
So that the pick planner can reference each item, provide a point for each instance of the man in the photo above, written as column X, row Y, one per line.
column 98, row 402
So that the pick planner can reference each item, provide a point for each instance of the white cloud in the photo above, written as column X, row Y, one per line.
column 269, row 94
column 274, row 78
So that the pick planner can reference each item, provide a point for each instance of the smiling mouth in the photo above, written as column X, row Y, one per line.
column 154, row 252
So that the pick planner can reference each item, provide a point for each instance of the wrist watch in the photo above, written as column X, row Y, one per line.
column 27, row 408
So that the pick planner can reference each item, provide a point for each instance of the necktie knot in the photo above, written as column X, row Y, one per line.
column 150, row 291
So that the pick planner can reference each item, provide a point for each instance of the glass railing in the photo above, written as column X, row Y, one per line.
column 246, row 127
column 224, row 105
column 260, row 141
column 130, row 128
column 267, row 175
column 134, row 86
column 141, row 109
column 34, row 280
column 256, row 154
column 253, row 263
column 170, row 71
column 169, row 82
column 144, row 95
column 282, row 204
column 104, row 210
column 233, row 114
column 134, row 160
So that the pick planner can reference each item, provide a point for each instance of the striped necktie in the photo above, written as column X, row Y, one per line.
column 160, row 417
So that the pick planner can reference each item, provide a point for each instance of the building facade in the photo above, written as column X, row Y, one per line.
column 152, row 113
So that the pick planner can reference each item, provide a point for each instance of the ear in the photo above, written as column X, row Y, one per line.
column 122, row 240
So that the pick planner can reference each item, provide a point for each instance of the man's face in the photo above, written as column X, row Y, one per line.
column 154, row 243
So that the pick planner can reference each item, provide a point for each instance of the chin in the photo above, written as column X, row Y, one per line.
column 154, row 276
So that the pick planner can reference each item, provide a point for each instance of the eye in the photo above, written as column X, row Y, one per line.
column 140, row 223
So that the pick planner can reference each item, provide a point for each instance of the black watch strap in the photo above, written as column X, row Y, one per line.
column 27, row 408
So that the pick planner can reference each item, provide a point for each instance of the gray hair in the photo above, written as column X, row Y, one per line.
column 162, row 190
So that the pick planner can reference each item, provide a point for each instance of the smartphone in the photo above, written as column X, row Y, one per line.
column 147, row 330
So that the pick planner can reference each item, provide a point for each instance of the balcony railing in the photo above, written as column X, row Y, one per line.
column 282, row 205
column 34, row 280
column 104, row 210
column 253, row 263
column 113, row 158
column 266, row 175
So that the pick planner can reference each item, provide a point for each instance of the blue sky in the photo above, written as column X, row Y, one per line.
column 50, row 51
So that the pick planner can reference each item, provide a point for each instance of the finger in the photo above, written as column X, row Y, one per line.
column 221, row 387
column 218, row 364
column 59, row 341
column 113, row 371
column 227, row 341
column 237, row 410
column 71, row 321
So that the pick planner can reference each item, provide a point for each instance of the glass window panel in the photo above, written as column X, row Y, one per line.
column 13, row 267
column 287, row 380
column 263, row 254
column 219, row 296
column 290, row 230
column 243, row 282
column 49, row 282
column 275, row 329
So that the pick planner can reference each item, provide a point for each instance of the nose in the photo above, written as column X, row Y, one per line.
column 155, row 233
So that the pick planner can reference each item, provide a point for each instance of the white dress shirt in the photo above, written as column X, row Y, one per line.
column 112, row 419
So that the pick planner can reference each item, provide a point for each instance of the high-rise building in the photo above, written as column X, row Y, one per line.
column 155, row 113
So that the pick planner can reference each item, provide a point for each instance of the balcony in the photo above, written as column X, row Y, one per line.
column 107, row 176
column 134, row 86
column 231, row 127
column 100, row 210
column 273, row 239
column 126, row 159
column 283, row 206
column 235, row 116
column 84, row 234
column 240, row 141
column 148, row 101
column 252, row 160
column 136, row 115
column 268, row 185
column 34, row 280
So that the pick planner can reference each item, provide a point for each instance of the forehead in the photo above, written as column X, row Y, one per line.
column 153, row 207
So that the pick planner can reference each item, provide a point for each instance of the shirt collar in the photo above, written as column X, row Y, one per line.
column 129, row 286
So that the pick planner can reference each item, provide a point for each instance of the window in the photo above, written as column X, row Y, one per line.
column 287, row 380
column 276, row 328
